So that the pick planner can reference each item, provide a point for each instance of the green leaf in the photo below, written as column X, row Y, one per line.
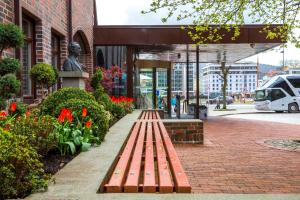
column 85, row 146
column 71, row 146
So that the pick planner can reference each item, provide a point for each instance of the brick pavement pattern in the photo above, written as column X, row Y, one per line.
column 232, row 161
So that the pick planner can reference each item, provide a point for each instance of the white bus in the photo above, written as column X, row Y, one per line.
column 279, row 94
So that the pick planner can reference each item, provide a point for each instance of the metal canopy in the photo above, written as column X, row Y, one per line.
column 211, row 53
column 169, row 43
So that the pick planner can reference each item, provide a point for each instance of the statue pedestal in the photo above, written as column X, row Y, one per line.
column 73, row 79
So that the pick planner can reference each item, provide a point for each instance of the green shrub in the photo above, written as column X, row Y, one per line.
column 21, row 171
column 96, row 79
column 117, row 110
column 96, row 112
column 9, row 66
column 39, row 130
column 53, row 100
column 43, row 74
column 11, row 36
column 2, row 103
column 102, row 98
column 9, row 85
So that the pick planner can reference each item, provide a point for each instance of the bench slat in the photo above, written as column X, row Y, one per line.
column 118, row 175
column 132, row 182
column 143, row 115
column 181, row 181
column 164, row 176
column 149, row 172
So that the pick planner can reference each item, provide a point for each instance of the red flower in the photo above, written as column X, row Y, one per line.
column 65, row 114
column 13, row 106
column 3, row 114
column 84, row 112
column 88, row 124
column 27, row 114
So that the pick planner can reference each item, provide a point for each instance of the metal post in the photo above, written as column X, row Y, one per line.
column 187, row 74
column 169, row 89
column 154, row 88
column 197, row 83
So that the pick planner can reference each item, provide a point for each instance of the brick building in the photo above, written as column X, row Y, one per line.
column 49, row 25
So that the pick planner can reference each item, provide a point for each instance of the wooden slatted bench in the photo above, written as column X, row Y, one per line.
column 148, row 162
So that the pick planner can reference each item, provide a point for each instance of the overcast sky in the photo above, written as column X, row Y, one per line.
column 128, row 12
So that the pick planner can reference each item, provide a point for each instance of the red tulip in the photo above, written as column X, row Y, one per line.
column 13, row 106
column 65, row 114
column 3, row 114
column 84, row 112
column 88, row 124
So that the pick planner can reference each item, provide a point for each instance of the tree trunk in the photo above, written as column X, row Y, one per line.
column 224, row 92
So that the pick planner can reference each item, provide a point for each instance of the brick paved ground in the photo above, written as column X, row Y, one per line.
column 231, row 160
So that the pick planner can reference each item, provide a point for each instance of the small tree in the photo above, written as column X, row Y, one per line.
column 44, row 75
column 230, row 15
column 224, row 77
column 11, row 36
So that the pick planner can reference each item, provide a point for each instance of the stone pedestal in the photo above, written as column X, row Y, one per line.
column 74, row 79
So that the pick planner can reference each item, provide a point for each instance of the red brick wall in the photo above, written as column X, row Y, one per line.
column 50, row 15
column 83, row 21
column 185, row 131
column 6, row 11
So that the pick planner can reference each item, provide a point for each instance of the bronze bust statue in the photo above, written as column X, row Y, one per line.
column 71, row 63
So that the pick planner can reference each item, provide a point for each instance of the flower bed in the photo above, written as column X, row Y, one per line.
column 42, row 140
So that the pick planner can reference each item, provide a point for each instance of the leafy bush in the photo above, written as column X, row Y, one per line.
column 38, row 130
column 117, row 110
column 50, row 104
column 9, row 85
column 9, row 66
column 96, row 79
column 102, row 98
column 21, row 171
column 2, row 103
column 97, row 114
column 43, row 74
column 11, row 36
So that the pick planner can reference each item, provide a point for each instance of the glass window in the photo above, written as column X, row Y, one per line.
column 55, row 50
column 281, row 83
column 27, row 53
column 277, row 94
column 295, row 81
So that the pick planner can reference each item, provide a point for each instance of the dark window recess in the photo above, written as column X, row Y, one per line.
column 277, row 94
column 281, row 83
column 295, row 81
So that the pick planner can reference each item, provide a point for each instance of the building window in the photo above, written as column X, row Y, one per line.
column 27, row 56
column 55, row 51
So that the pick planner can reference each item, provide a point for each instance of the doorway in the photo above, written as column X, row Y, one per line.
column 153, row 85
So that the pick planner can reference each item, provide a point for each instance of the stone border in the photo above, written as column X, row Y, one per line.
column 262, row 142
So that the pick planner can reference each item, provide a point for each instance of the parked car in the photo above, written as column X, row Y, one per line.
column 229, row 100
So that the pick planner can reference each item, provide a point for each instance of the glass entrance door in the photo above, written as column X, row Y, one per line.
column 145, row 89
column 151, row 88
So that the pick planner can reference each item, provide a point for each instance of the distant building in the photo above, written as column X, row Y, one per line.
column 178, row 78
column 242, row 79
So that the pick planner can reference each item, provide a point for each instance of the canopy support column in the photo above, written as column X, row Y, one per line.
column 187, row 75
column 197, row 83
